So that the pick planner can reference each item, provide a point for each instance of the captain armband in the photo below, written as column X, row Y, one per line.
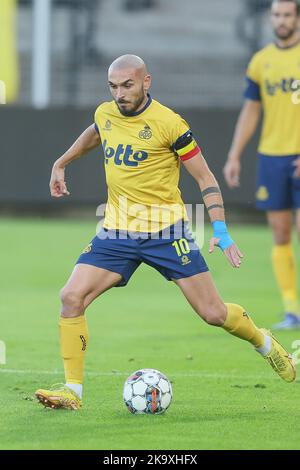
column 186, row 147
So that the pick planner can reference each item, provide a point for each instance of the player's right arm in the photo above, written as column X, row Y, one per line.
column 87, row 141
column 247, row 121
column 245, row 128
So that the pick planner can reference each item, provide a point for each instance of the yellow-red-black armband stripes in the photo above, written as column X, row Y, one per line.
column 186, row 147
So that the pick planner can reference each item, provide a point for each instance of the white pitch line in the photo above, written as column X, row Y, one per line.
column 205, row 375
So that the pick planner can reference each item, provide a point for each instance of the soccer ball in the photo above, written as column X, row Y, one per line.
column 147, row 391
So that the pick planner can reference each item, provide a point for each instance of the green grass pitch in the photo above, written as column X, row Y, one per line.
column 225, row 395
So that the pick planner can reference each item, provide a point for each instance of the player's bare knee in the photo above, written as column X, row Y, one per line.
column 281, row 235
column 282, row 238
column 72, row 300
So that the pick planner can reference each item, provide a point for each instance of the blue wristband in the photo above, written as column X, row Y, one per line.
column 220, row 231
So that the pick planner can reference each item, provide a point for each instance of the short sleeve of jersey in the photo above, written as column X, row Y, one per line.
column 96, row 119
column 252, row 91
column 182, row 141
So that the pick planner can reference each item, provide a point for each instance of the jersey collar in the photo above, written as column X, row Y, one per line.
column 141, row 110
column 288, row 47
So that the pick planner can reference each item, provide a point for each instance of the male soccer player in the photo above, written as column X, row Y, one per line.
column 144, row 144
column 271, row 77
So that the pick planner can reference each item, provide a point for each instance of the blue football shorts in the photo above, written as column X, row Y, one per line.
column 277, row 188
column 173, row 252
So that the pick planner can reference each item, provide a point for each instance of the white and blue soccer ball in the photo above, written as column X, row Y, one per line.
column 147, row 391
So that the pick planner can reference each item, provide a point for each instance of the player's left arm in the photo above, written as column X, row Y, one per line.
column 198, row 168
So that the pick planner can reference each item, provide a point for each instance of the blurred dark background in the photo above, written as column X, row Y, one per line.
column 54, row 65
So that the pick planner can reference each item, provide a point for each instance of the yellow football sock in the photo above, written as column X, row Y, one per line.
column 284, row 266
column 239, row 324
column 73, row 339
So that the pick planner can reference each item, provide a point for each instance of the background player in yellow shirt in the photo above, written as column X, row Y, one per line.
column 144, row 144
column 271, row 77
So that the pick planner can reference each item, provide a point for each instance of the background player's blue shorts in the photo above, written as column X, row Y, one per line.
column 277, row 188
column 175, row 257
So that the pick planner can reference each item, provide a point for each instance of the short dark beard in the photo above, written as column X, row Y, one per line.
column 288, row 35
column 132, row 111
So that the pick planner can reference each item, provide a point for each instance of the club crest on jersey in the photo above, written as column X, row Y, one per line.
column 123, row 155
column 107, row 126
column 145, row 133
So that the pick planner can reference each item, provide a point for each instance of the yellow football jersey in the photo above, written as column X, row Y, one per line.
column 142, row 165
column 271, row 75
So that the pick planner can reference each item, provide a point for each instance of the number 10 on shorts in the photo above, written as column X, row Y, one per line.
column 181, row 247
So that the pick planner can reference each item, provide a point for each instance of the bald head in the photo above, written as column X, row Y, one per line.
column 129, row 61
column 129, row 82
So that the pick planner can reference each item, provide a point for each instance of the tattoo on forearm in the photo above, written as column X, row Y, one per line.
column 211, row 190
column 215, row 206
